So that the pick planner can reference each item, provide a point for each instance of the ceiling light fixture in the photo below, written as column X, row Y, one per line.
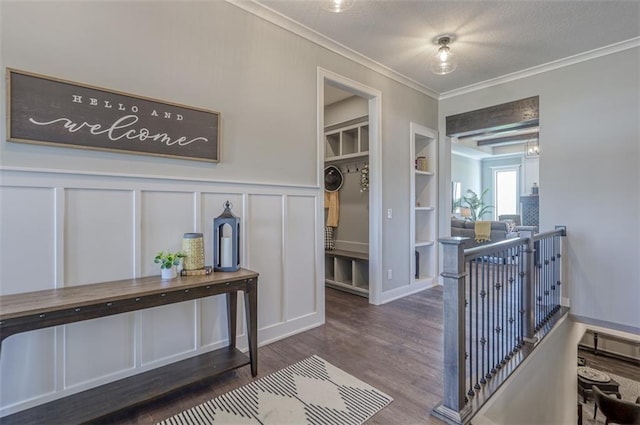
column 337, row 6
column 532, row 148
column 444, row 61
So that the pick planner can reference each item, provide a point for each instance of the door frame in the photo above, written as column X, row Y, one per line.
column 374, row 98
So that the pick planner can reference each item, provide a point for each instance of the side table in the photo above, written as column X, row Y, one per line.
column 585, row 389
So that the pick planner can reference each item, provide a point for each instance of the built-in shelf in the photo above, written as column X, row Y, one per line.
column 423, row 208
column 347, row 271
column 424, row 173
column 348, row 142
column 351, row 156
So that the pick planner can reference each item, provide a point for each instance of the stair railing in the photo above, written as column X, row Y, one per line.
column 499, row 300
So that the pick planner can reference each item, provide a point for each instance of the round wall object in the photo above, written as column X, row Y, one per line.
column 332, row 178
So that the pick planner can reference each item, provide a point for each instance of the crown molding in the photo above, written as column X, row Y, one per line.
column 288, row 24
column 305, row 32
column 560, row 63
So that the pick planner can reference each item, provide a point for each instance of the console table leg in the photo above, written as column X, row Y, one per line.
column 232, row 316
column 251, row 310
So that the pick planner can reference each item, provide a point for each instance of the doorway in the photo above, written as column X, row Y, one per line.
column 495, row 155
column 349, row 145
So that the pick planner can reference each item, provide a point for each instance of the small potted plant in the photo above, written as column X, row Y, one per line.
column 168, row 261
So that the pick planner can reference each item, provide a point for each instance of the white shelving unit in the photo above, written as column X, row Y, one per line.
column 346, row 142
column 347, row 271
column 423, row 208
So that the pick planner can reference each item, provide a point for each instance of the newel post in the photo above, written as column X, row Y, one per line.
column 528, row 285
column 454, row 407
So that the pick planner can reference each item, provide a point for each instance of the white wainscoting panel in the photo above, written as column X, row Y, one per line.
column 264, row 254
column 300, row 291
column 98, row 241
column 27, row 245
column 68, row 228
column 165, row 217
column 167, row 330
column 213, row 310
column 213, row 322
column 98, row 348
column 28, row 366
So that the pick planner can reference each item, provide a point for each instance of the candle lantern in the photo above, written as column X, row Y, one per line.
column 226, row 241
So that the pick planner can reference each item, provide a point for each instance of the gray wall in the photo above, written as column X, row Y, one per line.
column 213, row 55
column 467, row 171
column 354, row 205
column 348, row 109
column 589, row 175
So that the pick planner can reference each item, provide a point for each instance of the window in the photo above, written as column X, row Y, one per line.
column 506, row 191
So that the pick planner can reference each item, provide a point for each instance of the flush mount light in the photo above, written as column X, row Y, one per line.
column 444, row 61
column 337, row 6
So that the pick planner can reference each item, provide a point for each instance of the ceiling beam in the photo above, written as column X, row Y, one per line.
column 516, row 115
column 516, row 138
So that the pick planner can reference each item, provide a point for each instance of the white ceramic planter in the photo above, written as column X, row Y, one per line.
column 169, row 273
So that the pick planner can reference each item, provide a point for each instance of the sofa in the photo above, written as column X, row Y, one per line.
column 499, row 232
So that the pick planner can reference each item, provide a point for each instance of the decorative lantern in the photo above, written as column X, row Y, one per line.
column 226, row 241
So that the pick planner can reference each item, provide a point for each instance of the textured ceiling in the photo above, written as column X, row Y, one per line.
column 493, row 38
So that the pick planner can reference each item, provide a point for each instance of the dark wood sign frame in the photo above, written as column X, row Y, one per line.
column 50, row 111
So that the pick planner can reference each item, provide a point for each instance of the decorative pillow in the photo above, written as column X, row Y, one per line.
column 328, row 238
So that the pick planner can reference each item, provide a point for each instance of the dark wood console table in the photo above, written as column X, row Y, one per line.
column 42, row 309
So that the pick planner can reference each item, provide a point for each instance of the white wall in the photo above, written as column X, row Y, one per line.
column 354, row 205
column 467, row 171
column 64, row 209
column 526, row 399
column 344, row 110
column 589, row 175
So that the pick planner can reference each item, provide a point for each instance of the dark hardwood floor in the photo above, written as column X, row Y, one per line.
column 610, row 364
column 396, row 347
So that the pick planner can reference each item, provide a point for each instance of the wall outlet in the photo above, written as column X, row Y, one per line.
column 389, row 213
column 389, row 274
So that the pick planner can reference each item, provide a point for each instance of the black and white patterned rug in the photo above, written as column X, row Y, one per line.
column 312, row 392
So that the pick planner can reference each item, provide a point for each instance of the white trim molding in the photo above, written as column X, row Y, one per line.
column 374, row 98
column 307, row 33
column 560, row 63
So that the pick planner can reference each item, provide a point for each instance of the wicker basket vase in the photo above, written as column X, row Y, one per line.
column 193, row 249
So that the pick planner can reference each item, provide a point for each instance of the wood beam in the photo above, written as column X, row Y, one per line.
column 518, row 138
column 523, row 113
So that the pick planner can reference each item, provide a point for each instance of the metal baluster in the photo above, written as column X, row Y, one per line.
column 513, row 297
column 470, row 391
column 547, row 265
column 503, row 312
column 496, row 313
column 539, row 285
column 547, row 279
column 477, row 291
column 483, row 341
column 556, row 270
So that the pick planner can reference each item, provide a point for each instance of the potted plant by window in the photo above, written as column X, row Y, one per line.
column 168, row 262
column 475, row 204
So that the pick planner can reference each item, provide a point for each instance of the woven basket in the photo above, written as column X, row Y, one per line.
column 193, row 249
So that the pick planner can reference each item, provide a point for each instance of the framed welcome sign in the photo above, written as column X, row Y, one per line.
column 51, row 111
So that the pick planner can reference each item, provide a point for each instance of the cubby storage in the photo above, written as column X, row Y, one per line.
column 346, row 141
column 423, row 208
column 347, row 271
